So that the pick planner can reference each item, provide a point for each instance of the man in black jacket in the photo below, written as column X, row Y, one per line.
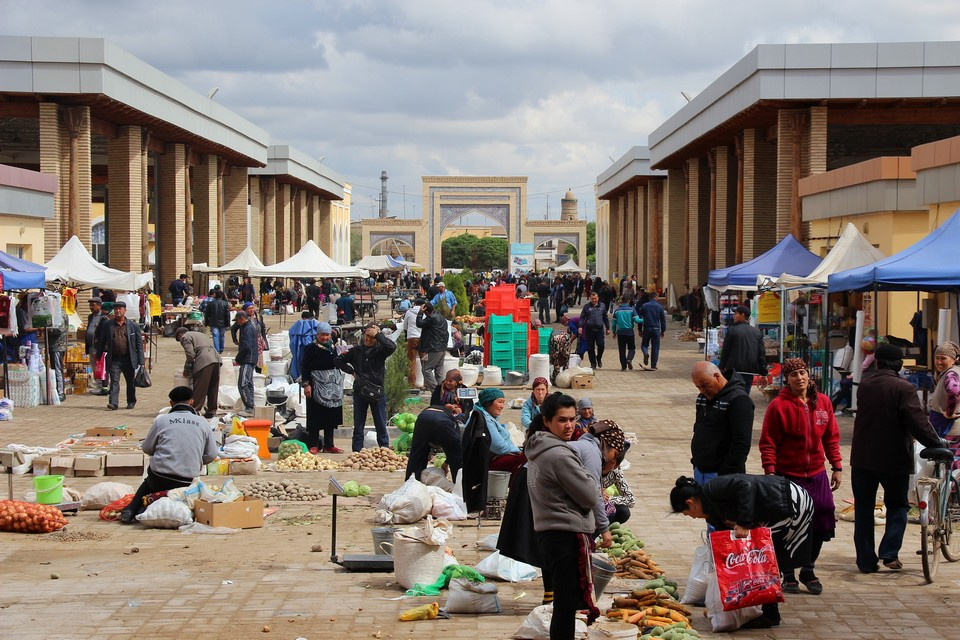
column 122, row 341
column 366, row 362
column 217, row 316
column 247, row 357
column 743, row 349
column 90, row 340
column 889, row 417
column 724, row 424
column 433, row 344
column 543, row 298
column 435, row 426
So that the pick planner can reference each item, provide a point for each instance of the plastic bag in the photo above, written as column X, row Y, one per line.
column 536, row 626
column 747, row 570
column 197, row 527
column 488, row 543
column 410, row 503
column 166, row 513
column 721, row 620
column 236, row 446
column 434, row 477
column 696, row 590
column 504, row 568
column 103, row 493
column 467, row 596
column 447, row 505
column 227, row 492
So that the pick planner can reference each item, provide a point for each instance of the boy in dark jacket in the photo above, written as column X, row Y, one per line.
column 246, row 357
column 594, row 324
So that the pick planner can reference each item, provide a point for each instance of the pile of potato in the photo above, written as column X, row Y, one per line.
column 306, row 462
column 381, row 459
column 289, row 490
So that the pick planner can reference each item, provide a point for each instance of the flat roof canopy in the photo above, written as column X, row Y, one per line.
column 631, row 170
column 292, row 166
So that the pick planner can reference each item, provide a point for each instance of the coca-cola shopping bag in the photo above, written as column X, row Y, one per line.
column 747, row 570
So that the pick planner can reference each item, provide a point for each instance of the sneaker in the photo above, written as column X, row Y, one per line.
column 893, row 565
column 131, row 405
column 127, row 517
column 314, row 450
column 599, row 364
column 623, row 368
column 630, row 366
column 332, row 450
column 763, row 622
column 646, row 359
column 112, row 407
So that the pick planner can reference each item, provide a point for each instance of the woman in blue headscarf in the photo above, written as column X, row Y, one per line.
column 322, row 383
column 504, row 454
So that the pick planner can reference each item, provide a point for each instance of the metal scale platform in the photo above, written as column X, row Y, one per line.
column 366, row 562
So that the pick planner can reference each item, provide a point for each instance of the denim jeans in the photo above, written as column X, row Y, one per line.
column 864, row 483
column 544, row 311
column 651, row 345
column 217, row 334
column 245, row 383
column 703, row 478
column 379, row 411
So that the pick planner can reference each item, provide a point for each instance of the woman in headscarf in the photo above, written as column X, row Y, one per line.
column 322, row 383
column 531, row 406
column 799, row 432
column 602, row 449
column 946, row 395
column 504, row 454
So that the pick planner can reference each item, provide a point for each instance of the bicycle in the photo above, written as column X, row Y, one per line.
column 939, row 502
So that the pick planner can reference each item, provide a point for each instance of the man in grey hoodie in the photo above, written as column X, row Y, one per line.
column 181, row 442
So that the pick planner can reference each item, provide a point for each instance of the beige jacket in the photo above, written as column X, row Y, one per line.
column 199, row 350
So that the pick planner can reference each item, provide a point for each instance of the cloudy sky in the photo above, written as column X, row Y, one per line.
column 549, row 89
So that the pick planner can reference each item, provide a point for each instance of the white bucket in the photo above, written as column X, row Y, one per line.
column 449, row 362
column 539, row 367
column 492, row 376
column 276, row 353
column 276, row 367
column 180, row 380
column 259, row 381
column 573, row 361
column 613, row 631
column 470, row 374
column 497, row 484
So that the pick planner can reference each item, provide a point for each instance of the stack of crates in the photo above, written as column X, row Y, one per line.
column 507, row 342
column 544, row 339
column 500, row 341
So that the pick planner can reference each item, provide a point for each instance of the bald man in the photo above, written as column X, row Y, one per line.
column 724, row 425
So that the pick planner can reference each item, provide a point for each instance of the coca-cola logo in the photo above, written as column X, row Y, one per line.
column 753, row 556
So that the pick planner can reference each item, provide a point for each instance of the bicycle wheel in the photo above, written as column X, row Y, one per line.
column 950, row 546
column 930, row 536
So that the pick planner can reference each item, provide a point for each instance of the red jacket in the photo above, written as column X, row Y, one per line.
column 795, row 440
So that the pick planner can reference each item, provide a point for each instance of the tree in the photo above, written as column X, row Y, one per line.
column 591, row 243
column 356, row 246
column 572, row 252
column 396, row 382
column 455, row 286
column 489, row 254
column 455, row 251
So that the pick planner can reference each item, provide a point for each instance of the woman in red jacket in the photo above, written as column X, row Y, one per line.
column 799, row 432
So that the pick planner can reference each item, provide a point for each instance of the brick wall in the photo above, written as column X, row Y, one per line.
column 256, row 215
column 206, row 215
column 284, row 222
column 698, row 174
column 759, row 193
column 673, row 229
column 269, row 195
column 171, row 216
column 235, row 200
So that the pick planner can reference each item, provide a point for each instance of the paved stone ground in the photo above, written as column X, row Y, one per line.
column 173, row 587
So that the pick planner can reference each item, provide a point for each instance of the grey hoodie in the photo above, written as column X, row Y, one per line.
column 588, row 447
column 562, row 494
column 181, row 442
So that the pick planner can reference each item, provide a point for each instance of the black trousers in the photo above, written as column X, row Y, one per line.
column 595, row 345
column 121, row 366
column 627, row 345
column 560, row 553
column 622, row 514
column 435, row 428
column 153, row 483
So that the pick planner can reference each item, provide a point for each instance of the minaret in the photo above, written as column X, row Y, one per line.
column 568, row 206
column 383, row 194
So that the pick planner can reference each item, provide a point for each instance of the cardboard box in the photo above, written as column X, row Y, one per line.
column 244, row 467
column 59, row 466
column 264, row 413
column 89, row 466
column 109, row 432
column 41, row 466
column 582, row 381
column 125, row 464
column 242, row 514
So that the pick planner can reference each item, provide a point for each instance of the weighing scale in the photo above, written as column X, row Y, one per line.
column 366, row 562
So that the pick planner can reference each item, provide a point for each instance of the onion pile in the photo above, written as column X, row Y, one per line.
column 381, row 459
column 27, row 517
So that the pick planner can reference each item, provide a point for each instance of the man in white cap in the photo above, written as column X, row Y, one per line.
column 446, row 296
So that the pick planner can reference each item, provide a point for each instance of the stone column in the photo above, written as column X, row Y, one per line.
column 235, row 200
column 284, row 229
column 629, row 232
column 325, row 214
column 296, row 222
column 256, row 215
column 654, row 265
column 269, row 203
column 790, row 129
column 698, row 222
column 206, row 211
column 642, row 237
column 759, row 193
column 52, row 161
column 303, row 197
column 622, row 215
column 171, row 216
column 673, row 230
column 613, row 226
column 80, row 184
column 124, row 210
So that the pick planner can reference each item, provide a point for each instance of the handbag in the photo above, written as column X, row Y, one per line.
column 142, row 379
column 327, row 387
column 747, row 571
column 370, row 391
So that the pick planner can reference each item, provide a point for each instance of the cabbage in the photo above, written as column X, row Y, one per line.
column 351, row 489
column 364, row 490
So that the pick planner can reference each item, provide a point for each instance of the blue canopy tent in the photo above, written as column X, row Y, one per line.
column 21, row 274
column 787, row 256
column 928, row 265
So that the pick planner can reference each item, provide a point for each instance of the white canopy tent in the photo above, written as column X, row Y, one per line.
column 851, row 251
column 570, row 266
column 379, row 263
column 74, row 266
column 309, row 262
column 243, row 263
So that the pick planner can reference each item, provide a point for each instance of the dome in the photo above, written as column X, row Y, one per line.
column 569, row 195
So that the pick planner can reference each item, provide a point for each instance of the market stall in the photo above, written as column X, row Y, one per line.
column 570, row 266
column 16, row 274
column 73, row 266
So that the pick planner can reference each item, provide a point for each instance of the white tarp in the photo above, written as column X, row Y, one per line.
column 309, row 262
column 73, row 265
column 243, row 263
column 570, row 266
column 379, row 263
column 851, row 251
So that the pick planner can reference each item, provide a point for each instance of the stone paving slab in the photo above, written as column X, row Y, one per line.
column 173, row 586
